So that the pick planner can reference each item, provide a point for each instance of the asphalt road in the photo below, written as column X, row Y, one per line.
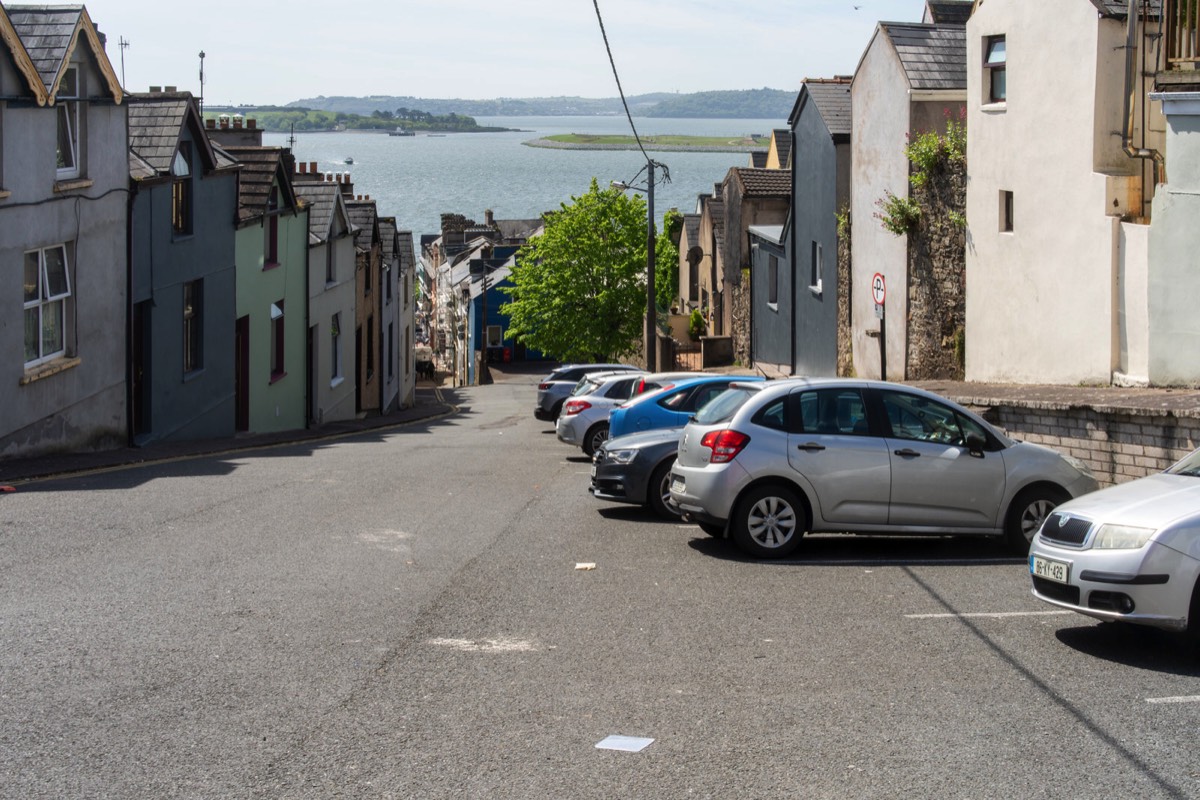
column 399, row 615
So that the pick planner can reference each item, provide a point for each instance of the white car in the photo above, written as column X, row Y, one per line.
column 1129, row 552
column 583, row 420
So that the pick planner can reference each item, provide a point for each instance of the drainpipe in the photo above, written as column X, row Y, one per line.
column 1131, row 51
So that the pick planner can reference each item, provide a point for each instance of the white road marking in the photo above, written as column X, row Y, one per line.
column 486, row 645
column 1191, row 698
column 990, row 615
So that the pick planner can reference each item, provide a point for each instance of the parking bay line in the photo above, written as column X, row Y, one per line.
column 1192, row 698
column 988, row 614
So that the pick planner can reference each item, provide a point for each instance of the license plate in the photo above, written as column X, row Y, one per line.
column 593, row 472
column 677, row 485
column 1049, row 569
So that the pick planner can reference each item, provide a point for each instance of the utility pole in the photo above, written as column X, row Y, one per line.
column 123, row 43
column 201, row 84
column 651, row 303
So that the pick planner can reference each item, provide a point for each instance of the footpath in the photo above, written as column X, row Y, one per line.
column 434, row 400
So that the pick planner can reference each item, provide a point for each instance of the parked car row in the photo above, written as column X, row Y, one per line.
column 766, row 462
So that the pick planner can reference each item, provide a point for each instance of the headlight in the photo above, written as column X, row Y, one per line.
column 622, row 456
column 1078, row 465
column 1121, row 537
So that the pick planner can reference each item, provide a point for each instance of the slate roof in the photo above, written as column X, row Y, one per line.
column 261, row 167
column 156, row 124
column 362, row 214
column 832, row 98
column 387, row 233
column 691, row 227
column 933, row 56
column 758, row 158
column 50, row 34
column 782, row 137
column 25, row 66
column 404, row 248
column 322, row 200
column 949, row 12
column 764, row 182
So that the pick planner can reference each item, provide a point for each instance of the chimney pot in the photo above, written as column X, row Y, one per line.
column 171, row 89
column 251, row 124
column 211, row 124
column 155, row 90
column 237, row 123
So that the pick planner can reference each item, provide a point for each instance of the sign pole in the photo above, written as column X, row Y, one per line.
column 879, row 295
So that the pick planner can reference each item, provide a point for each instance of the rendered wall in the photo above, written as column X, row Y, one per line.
column 771, row 323
column 334, row 396
column 880, row 106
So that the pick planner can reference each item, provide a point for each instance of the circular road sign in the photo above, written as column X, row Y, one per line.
column 878, row 289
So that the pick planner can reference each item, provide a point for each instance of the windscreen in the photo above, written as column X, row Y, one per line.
column 724, row 406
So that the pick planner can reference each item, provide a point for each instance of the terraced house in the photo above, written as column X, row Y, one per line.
column 64, row 182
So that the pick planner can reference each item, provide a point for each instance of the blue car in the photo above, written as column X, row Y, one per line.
column 671, row 406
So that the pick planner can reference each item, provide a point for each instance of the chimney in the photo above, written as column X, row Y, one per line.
column 237, row 123
column 210, row 124
column 303, row 167
column 312, row 167
column 487, row 217
column 155, row 90
column 171, row 89
column 251, row 123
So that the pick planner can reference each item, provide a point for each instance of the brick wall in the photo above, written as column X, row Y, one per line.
column 1118, row 446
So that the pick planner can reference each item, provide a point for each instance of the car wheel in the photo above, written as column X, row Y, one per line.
column 554, row 412
column 712, row 529
column 658, row 491
column 769, row 522
column 596, row 436
column 1192, row 633
column 1027, row 513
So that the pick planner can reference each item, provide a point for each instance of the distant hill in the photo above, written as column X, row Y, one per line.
column 741, row 104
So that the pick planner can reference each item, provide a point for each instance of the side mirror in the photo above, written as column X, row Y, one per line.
column 975, row 444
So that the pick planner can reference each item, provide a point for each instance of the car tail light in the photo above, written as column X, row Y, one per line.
column 543, row 386
column 575, row 406
column 725, row 445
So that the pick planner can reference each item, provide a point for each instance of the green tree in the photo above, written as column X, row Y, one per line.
column 579, row 290
column 666, row 259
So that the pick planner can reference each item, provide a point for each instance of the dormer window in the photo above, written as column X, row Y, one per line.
column 995, row 61
column 181, row 191
column 67, row 102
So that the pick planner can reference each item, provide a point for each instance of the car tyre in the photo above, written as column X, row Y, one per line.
column 554, row 412
column 658, row 490
column 769, row 522
column 1027, row 513
column 596, row 436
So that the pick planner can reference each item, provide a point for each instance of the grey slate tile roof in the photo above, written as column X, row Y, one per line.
column 764, row 182
column 758, row 158
column 933, row 56
column 387, row 235
column 783, row 144
column 362, row 215
column 404, row 246
column 322, row 201
column 832, row 98
column 155, row 122
column 949, row 12
column 260, row 167
column 691, row 227
column 47, row 33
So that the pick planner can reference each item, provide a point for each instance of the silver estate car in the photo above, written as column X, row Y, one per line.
column 1129, row 552
column 583, row 420
column 765, row 463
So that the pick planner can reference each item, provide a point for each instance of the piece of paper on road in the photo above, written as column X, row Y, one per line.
column 628, row 744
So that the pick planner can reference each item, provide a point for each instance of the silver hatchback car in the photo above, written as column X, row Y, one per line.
column 765, row 463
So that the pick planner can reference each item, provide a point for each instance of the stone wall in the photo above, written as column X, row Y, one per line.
column 937, row 278
column 740, row 316
column 845, row 334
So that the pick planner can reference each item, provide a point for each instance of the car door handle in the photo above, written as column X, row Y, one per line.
column 908, row 451
column 811, row 447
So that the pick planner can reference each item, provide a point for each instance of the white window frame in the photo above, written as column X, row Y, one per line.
column 38, row 300
column 67, row 104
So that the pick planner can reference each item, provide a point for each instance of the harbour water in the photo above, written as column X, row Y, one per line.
column 418, row 178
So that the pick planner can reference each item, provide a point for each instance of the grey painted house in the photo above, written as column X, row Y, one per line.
column 64, row 174
column 183, row 208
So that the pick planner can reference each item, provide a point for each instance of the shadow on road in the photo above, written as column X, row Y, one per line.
column 1134, row 646
column 848, row 550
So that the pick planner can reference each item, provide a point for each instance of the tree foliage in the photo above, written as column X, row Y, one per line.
column 579, row 290
column 666, row 259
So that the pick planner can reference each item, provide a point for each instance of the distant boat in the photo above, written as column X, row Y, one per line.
column 401, row 132
column 348, row 160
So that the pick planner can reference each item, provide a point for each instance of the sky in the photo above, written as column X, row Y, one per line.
column 273, row 53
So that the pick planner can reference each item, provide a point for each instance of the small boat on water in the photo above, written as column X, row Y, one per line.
column 348, row 160
column 401, row 132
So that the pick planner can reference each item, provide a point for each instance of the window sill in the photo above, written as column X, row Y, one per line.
column 72, row 184
column 41, row 371
column 5, row 194
column 336, row 382
column 270, row 265
column 994, row 108
column 180, row 236
column 773, row 306
column 192, row 374
column 817, row 289
column 276, row 377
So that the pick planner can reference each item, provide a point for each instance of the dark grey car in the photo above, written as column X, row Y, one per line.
column 554, row 389
column 637, row 469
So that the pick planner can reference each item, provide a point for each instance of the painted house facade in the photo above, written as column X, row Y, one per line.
column 331, row 369
column 1060, row 215
column 183, row 206
column 64, row 178
column 369, row 293
column 912, row 79
column 272, row 265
